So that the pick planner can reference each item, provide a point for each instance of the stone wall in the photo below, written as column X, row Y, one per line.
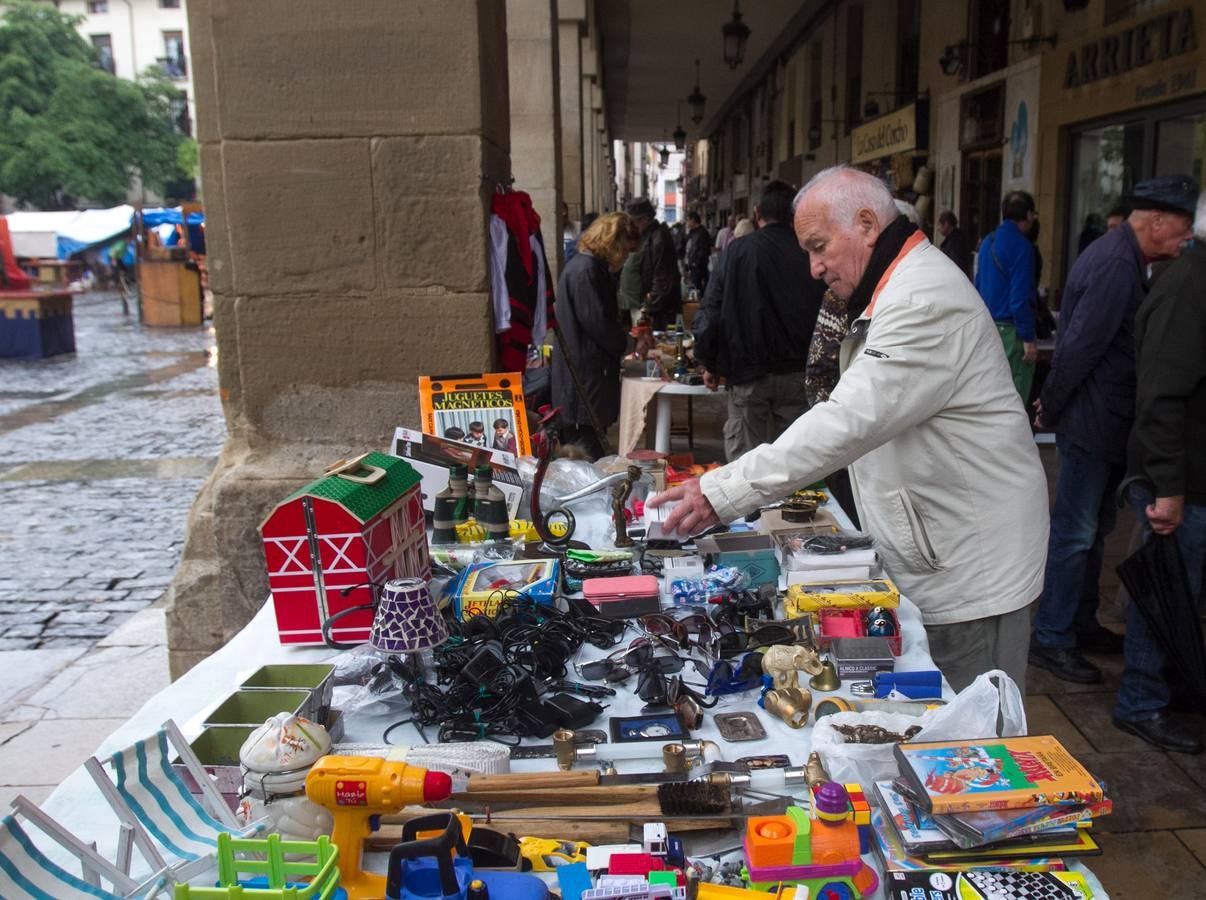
column 348, row 156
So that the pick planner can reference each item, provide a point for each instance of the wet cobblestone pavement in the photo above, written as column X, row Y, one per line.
column 101, row 456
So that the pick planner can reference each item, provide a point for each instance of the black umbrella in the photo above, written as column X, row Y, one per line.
column 1156, row 579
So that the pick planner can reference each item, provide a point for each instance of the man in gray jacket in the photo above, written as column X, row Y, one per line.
column 943, row 465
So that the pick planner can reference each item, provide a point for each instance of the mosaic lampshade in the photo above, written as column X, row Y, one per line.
column 407, row 619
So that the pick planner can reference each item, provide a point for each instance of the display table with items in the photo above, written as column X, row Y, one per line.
column 607, row 709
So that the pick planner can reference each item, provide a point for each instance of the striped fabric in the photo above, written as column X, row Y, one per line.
column 162, row 802
column 27, row 874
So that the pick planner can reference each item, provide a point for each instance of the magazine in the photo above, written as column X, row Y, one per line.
column 995, row 773
column 896, row 859
column 484, row 410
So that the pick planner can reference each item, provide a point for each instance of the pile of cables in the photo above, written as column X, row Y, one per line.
column 493, row 675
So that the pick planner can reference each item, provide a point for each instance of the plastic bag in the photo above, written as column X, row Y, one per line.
column 982, row 709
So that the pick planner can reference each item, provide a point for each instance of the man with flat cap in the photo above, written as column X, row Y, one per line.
column 1089, row 401
column 660, row 280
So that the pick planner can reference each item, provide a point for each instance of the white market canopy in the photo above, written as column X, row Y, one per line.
column 58, row 235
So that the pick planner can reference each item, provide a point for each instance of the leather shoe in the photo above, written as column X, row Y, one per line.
column 1064, row 664
column 1101, row 641
column 1161, row 732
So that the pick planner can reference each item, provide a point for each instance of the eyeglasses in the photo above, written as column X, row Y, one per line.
column 735, row 642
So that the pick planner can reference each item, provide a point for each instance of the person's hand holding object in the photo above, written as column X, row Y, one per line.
column 693, row 514
column 1165, row 515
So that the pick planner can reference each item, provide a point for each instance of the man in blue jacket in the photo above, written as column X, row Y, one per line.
column 1005, row 279
column 1089, row 400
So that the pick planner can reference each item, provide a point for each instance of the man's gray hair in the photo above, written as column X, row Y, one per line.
column 846, row 190
column 1199, row 221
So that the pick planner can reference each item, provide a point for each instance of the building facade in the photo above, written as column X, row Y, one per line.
column 131, row 35
column 1073, row 101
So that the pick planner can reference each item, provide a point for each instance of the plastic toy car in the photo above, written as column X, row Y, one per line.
column 546, row 854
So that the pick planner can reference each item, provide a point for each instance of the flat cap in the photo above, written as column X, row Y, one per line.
column 640, row 207
column 1171, row 193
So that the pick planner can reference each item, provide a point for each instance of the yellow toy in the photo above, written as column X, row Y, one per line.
column 722, row 892
column 357, row 790
column 546, row 854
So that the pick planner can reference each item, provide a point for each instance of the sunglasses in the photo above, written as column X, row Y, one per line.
column 638, row 656
column 727, row 678
column 695, row 629
column 735, row 642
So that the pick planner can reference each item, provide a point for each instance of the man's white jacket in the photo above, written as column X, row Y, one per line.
column 945, row 471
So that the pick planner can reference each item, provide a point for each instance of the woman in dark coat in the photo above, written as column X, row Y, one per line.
column 589, row 322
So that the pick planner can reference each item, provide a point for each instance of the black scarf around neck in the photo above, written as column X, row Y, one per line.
column 887, row 245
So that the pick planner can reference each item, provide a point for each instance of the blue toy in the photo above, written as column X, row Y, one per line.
column 427, row 870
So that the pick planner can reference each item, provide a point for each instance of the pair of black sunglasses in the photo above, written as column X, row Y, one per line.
column 734, row 642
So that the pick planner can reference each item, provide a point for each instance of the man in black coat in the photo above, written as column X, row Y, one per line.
column 660, row 282
column 1089, row 401
column 758, row 315
column 697, row 253
column 954, row 242
column 1166, row 451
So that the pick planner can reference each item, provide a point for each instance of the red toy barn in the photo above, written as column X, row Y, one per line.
column 362, row 522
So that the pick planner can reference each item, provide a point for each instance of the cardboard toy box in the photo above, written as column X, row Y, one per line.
column 752, row 553
column 804, row 598
column 361, row 522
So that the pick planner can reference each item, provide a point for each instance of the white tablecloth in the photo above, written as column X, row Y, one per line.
column 78, row 804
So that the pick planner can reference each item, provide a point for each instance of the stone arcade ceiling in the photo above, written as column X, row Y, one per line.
column 649, row 53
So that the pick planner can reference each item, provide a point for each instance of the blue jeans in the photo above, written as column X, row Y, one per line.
column 1144, row 690
column 1084, row 514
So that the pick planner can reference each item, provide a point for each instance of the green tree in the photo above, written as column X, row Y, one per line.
column 69, row 130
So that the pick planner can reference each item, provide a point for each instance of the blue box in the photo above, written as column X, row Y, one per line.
column 36, row 324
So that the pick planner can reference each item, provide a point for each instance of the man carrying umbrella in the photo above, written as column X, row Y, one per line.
column 1165, row 451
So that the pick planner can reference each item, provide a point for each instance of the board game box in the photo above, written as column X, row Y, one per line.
column 995, row 773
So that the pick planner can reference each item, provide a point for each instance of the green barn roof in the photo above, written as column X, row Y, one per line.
column 365, row 500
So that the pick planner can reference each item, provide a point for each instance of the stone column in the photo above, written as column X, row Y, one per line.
column 589, row 144
column 569, row 51
column 535, row 75
column 348, row 159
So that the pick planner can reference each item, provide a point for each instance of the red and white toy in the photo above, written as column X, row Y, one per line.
column 361, row 522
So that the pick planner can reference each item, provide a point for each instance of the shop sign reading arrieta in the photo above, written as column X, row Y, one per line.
column 893, row 133
column 1161, row 38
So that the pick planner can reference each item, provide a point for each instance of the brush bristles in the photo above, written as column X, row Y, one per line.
column 693, row 798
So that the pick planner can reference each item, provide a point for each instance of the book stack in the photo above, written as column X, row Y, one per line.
column 1022, row 803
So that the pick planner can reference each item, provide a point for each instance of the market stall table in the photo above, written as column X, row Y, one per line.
column 77, row 803
column 635, row 394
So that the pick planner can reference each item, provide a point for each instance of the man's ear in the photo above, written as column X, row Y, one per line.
column 868, row 226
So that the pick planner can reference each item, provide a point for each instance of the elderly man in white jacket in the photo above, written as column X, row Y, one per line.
column 945, row 473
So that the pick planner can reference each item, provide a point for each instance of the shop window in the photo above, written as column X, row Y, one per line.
column 1179, row 146
column 169, row 4
column 1106, row 163
column 989, row 36
column 1117, row 10
column 98, row 6
column 908, row 50
column 815, row 106
column 173, row 61
column 103, row 45
column 854, row 67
